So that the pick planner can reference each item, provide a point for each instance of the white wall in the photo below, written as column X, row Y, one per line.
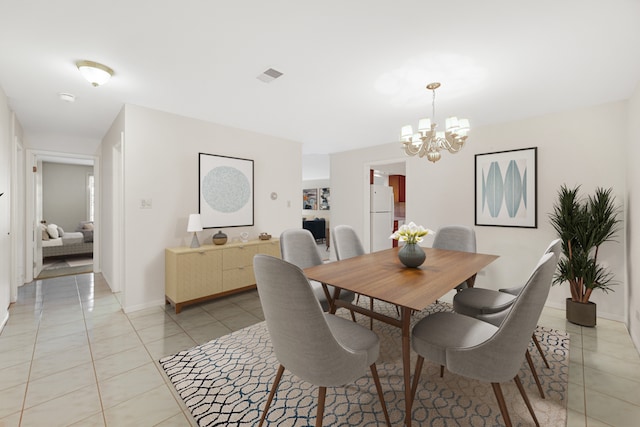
column 586, row 146
column 5, row 208
column 161, row 164
column 63, row 143
column 110, row 252
column 633, row 211
column 64, row 194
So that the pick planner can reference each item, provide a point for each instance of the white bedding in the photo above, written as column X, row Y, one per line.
column 68, row 238
column 52, row 242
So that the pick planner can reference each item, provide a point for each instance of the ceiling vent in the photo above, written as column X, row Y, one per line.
column 269, row 75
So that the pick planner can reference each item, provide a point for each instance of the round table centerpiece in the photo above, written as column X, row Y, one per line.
column 411, row 254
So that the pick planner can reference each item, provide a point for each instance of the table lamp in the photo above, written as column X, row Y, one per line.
column 194, row 226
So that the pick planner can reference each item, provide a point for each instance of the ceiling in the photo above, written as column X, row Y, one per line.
column 354, row 71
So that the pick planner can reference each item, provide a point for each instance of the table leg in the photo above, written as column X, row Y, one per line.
column 406, row 363
column 471, row 281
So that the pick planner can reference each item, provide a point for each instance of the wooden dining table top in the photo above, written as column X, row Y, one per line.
column 382, row 276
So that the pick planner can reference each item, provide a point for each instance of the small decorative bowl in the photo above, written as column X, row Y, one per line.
column 264, row 236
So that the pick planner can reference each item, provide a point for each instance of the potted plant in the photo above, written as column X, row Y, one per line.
column 583, row 224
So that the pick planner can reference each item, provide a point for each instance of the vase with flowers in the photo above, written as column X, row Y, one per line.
column 411, row 254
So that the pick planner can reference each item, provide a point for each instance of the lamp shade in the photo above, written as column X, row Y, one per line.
column 195, row 224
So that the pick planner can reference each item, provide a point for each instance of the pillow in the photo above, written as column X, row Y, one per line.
column 60, row 231
column 52, row 229
column 45, row 235
column 88, row 226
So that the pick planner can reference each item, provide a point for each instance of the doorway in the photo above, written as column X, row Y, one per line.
column 37, row 214
column 390, row 177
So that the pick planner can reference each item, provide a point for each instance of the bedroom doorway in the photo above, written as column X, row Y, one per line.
column 63, row 205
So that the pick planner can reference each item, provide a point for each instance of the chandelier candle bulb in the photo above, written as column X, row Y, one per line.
column 424, row 125
column 406, row 132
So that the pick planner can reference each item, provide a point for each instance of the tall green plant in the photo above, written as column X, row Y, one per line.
column 583, row 225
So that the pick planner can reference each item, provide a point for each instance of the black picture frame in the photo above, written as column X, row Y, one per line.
column 225, row 191
column 506, row 192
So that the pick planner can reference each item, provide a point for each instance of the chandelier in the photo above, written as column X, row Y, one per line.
column 429, row 142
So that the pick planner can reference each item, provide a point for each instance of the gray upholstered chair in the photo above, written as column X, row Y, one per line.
column 489, row 305
column 455, row 238
column 347, row 244
column 320, row 348
column 298, row 246
column 480, row 350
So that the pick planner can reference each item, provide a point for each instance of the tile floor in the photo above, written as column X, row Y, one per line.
column 70, row 356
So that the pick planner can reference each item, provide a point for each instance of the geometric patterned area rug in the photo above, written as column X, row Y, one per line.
column 225, row 382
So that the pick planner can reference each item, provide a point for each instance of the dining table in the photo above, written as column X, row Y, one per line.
column 381, row 275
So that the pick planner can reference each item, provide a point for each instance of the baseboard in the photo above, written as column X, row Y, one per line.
column 4, row 321
column 138, row 307
column 600, row 314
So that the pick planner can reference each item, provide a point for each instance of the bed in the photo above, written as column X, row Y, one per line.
column 57, row 242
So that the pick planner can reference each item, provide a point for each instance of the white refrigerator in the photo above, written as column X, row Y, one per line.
column 381, row 213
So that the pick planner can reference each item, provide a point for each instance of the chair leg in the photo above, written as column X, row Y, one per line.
column 441, row 371
column 353, row 316
column 322, row 392
column 371, row 318
column 526, row 399
column 537, row 343
column 272, row 393
column 376, row 379
column 416, row 377
column 501, row 403
column 534, row 372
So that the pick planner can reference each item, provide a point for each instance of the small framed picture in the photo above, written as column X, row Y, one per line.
column 505, row 188
column 310, row 199
column 325, row 199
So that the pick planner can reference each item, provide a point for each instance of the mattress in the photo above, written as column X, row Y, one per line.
column 72, row 238
column 52, row 242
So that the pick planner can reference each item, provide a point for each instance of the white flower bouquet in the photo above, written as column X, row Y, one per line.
column 411, row 233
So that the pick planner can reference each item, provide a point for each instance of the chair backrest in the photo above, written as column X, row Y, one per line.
column 455, row 238
column 554, row 247
column 302, row 340
column 500, row 357
column 346, row 242
column 298, row 247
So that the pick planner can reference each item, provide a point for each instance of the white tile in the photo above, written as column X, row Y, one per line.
column 179, row 420
column 170, row 345
column 129, row 384
column 15, row 357
column 96, row 420
column 613, row 365
column 59, row 361
column 157, row 332
column 611, row 411
column 205, row 333
column 149, row 408
column 64, row 410
column 14, row 375
column 59, row 384
column 12, row 420
column 11, row 399
column 109, row 346
column 612, row 385
column 123, row 361
column 54, row 345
